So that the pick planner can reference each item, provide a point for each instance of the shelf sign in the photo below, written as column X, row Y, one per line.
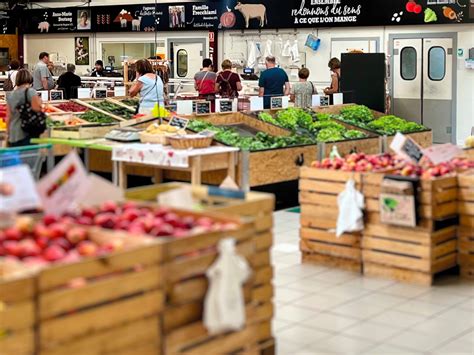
column 203, row 108
column 119, row 91
column 407, row 148
column 100, row 93
column 43, row 94
column 324, row 101
column 225, row 106
column 56, row 95
column 179, row 122
column 256, row 103
column 83, row 93
column 279, row 102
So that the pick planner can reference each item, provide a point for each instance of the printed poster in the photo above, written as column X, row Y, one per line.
column 81, row 55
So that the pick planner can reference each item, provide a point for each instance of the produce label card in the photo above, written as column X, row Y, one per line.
column 279, row 102
column 55, row 95
column 44, row 95
column 442, row 153
column 83, row 93
column 179, row 122
column 60, row 189
column 203, row 108
column 184, row 107
column 316, row 100
column 338, row 99
column 23, row 194
column 100, row 93
column 119, row 91
column 397, row 210
column 225, row 106
column 256, row 103
column 407, row 148
column 324, row 101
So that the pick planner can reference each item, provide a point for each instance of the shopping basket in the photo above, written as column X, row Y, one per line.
column 33, row 155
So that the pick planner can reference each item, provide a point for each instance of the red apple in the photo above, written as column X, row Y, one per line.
column 34, row 261
column 24, row 224
column 63, row 243
column 85, row 221
column 106, row 220
column 72, row 256
column 87, row 248
column 76, row 235
column 57, row 230
column 42, row 242
column 131, row 214
column 12, row 248
column 129, row 205
column 28, row 247
column 89, row 212
column 12, row 233
column 109, row 206
column 204, row 222
column 54, row 253
column 49, row 219
column 41, row 231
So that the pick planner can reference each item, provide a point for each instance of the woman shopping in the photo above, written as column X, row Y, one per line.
column 335, row 67
column 149, row 86
column 24, row 117
column 228, row 83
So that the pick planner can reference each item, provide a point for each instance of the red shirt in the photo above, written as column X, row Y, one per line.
column 206, row 82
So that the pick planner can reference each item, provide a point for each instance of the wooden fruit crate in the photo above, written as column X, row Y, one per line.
column 319, row 190
column 119, row 297
column 17, row 311
column 412, row 254
column 466, row 229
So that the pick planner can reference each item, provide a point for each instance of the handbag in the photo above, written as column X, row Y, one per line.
column 32, row 122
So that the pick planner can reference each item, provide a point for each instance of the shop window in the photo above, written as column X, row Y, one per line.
column 437, row 63
column 408, row 63
column 182, row 63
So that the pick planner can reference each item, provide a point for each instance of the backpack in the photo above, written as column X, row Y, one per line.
column 32, row 122
column 229, row 92
column 8, row 84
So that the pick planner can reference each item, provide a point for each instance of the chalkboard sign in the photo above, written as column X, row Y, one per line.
column 203, row 108
column 100, row 93
column 179, row 122
column 325, row 101
column 276, row 103
column 225, row 106
column 172, row 107
column 412, row 149
column 55, row 95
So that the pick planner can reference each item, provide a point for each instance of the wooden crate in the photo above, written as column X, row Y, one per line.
column 17, row 311
column 319, row 189
column 115, row 310
column 412, row 254
column 466, row 229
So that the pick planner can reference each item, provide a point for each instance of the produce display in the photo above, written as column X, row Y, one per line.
column 131, row 102
column 49, row 109
column 3, row 117
column 394, row 165
column 261, row 141
column 311, row 124
column 114, row 109
column 72, row 107
column 363, row 117
column 96, row 117
column 163, row 129
column 69, row 122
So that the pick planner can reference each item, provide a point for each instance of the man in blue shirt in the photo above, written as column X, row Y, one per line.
column 273, row 82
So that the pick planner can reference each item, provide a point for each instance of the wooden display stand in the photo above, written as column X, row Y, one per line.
column 412, row 255
column 466, row 229
column 319, row 213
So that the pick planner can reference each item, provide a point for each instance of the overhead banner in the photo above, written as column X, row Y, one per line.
column 7, row 23
column 251, row 14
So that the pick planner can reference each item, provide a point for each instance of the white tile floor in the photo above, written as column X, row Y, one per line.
column 328, row 311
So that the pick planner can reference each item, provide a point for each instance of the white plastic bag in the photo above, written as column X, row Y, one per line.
column 351, row 204
column 268, row 52
column 224, row 306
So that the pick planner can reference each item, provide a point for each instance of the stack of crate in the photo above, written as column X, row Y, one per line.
column 319, row 189
column 412, row 254
column 466, row 221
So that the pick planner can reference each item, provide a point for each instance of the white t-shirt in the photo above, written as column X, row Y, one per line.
column 12, row 74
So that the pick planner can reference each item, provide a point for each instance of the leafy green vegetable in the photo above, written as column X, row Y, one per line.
column 357, row 114
column 96, row 117
column 114, row 109
column 393, row 124
column 353, row 134
column 266, row 117
column 330, row 135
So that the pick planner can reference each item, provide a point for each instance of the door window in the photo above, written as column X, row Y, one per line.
column 408, row 60
column 182, row 63
column 436, row 63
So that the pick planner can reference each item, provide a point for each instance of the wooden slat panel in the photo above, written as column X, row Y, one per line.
column 320, row 199
column 319, row 212
column 398, row 233
column 17, row 316
column 19, row 343
column 330, row 249
column 328, row 187
column 466, row 195
column 397, row 261
column 330, row 237
column 328, row 175
column 396, row 247
column 263, row 241
column 17, row 290
column 410, row 276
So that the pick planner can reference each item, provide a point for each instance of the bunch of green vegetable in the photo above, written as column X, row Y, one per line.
column 260, row 141
column 266, row 117
column 96, row 117
column 131, row 102
column 114, row 109
column 52, row 123
column 393, row 124
column 357, row 114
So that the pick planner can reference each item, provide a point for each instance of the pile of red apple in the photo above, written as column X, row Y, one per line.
column 359, row 162
column 427, row 170
column 53, row 241
column 140, row 220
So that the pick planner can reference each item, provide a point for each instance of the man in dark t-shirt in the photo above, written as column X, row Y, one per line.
column 69, row 82
column 273, row 82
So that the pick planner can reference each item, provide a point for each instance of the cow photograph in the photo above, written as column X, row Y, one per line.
column 253, row 11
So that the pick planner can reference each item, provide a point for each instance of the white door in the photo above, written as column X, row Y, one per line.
column 423, row 83
column 188, row 59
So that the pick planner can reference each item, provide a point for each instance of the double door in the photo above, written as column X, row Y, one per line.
column 423, row 83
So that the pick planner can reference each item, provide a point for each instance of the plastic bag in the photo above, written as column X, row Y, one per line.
column 313, row 42
column 351, row 204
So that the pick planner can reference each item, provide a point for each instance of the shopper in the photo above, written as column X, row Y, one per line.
column 228, row 83
column 98, row 69
column 149, row 86
column 335, row 66
column 205, row 81
column 69, row 82
column 10, row 83
column 303, row 91
column 16, row 136
column 42, row 78
column 273, row 82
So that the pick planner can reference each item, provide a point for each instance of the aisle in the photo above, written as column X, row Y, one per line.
column 322, row 311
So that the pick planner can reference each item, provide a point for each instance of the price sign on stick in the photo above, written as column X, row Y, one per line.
column 407, row 148
column 203, row 108
column 100, row 93
column 55, row 95
column 280, row 102
column 179, row 122
column 225, row 106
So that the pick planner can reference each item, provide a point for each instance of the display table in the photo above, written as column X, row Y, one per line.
column 166, row 158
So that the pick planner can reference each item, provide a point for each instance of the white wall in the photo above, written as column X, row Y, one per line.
column 317, row 61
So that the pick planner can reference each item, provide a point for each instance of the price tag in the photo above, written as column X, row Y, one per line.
column 23, row 196
column 179, row 122
column 83, row 93
column 407, row 148
column 279, row 102
column 203, row 108
column 324, row 101
column 119, row 91
column 225, row 106
column 338, row 99
column 316, row 100
column 184, row 107
column 100, row 93
column 172, row 107
column 256, row 103
column 442, row 153
column 44, row 95
column 56, row 95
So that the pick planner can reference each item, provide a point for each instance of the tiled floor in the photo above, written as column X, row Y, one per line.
column 328, row 311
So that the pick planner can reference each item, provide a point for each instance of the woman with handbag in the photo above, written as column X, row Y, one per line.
column 149, row 86
column 25, row 119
